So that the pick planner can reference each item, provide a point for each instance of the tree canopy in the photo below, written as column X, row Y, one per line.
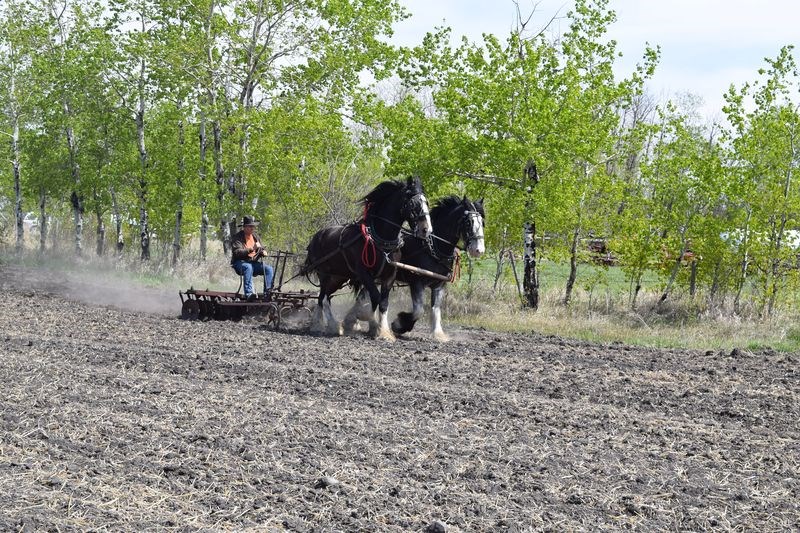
column 170, row 120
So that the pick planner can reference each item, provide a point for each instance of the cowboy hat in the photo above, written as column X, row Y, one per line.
column 248, row 221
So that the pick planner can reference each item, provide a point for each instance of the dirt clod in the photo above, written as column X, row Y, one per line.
column 326, row 482
column 436, row 527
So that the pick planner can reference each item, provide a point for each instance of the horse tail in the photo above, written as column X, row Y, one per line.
column 309, row 266
column 306, row 267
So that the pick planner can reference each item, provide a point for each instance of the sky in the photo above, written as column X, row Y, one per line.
column 706, row 45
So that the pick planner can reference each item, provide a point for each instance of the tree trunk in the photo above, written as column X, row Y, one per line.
column 637, row 280
column 176, row 238
column 216, row 128
column 77, row 197
column 42, row 220
column 202, row 176
column 498, row 272
column 676, row 267
column 715, row 281
column 573, row 266
column 745, row 263
column 530, row 280
column 144, row 229
column 101, row 234
column 219, row 172
column 17, row 180
column 117, row 224
column 674, row 274
column 14, row 112
column 776, row 270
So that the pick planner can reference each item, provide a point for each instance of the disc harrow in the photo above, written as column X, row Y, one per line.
column 274, row 305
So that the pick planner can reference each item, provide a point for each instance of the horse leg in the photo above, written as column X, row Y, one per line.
column 322, row 320
column 374, row 299
column 436, row 314
column 333, row 327
column 317, row 318
column 359, row 311
column 384, row 331
column 404, row 322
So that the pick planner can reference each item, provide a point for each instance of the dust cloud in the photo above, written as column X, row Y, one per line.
column 93, row 288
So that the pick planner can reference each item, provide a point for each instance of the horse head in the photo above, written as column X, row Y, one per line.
column 458, row 219
column 472, row 227
column 415, row 209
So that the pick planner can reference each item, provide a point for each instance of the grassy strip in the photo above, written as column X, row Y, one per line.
column 681, row 323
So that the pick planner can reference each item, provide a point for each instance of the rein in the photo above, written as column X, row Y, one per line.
column 451, row 261
column 369, row 256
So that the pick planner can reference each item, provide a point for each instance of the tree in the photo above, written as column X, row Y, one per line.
column 14, row 63
column 766, row 144
column 497, row 106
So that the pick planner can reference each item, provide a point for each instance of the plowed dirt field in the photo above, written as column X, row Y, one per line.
column 131, row 420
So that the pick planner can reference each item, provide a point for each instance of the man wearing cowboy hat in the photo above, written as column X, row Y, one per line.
column 246, row 251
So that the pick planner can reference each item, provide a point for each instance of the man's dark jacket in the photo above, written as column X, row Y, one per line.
column 238, row 248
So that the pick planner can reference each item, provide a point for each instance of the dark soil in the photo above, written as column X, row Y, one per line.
column 133, row 420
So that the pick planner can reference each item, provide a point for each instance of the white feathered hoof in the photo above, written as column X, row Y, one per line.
column 440, row 336
column 350, row 325
column 334, row 328
column 385, row 334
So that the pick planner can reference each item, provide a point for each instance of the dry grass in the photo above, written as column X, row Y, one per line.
column 675, row 324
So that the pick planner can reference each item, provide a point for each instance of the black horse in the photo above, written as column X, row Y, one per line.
column 359, row 253
column 454, row 220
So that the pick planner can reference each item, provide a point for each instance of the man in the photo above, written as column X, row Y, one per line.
column 246, row 249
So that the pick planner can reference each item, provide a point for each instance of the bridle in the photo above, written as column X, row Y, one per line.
column 469, row 220
column 414, row 210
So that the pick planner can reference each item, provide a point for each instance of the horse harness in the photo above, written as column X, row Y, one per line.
column 452, row 261
column 371, row 237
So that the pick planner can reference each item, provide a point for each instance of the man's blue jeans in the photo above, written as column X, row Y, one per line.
column 248, row 269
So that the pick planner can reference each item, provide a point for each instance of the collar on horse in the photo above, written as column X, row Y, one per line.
column 369, row 255
column 370, row 234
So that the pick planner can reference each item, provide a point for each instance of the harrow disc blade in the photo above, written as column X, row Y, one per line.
column 206, row 309
column 190, row 310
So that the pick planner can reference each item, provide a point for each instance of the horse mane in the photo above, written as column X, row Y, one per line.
column 382, row 190
column 449, row 203
column 445, row 205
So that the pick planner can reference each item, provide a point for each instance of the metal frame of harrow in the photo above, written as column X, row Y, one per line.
column 275, row 305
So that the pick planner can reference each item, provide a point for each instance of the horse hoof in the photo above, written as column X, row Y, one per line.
column 335, row 329
column 385, row 335
column 441, row 336
column 351, row 327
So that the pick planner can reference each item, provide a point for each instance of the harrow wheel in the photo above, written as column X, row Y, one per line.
column 273, row 316
column 221, row 313
column 295, row 315
column 190, row 310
